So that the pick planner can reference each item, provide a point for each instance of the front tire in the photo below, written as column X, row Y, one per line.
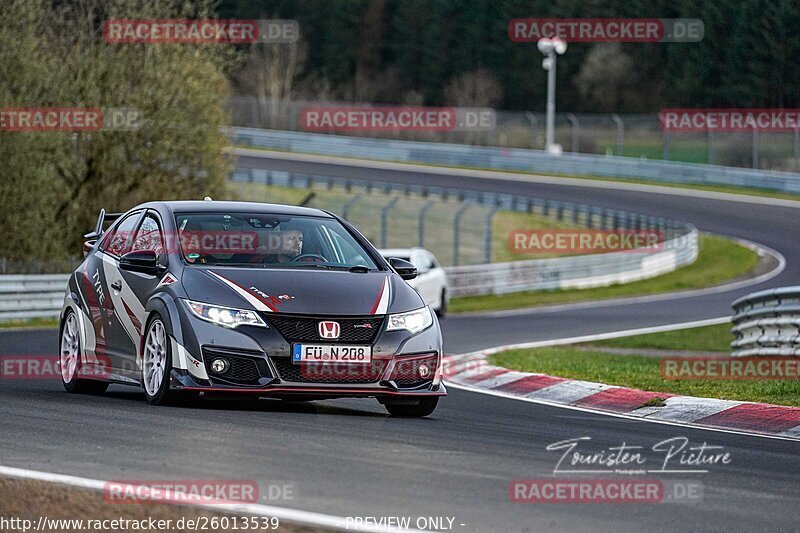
column 424, row 407
column 70, row 359
column 156, row 363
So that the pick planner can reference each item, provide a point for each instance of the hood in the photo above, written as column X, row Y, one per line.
column 301, row 291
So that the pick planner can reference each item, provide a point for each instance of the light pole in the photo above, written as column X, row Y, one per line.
column 551, row 48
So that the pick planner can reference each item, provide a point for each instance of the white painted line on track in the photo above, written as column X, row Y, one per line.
column 589, row 183
column 290, row 515
column 500, row 394
column 789, row 435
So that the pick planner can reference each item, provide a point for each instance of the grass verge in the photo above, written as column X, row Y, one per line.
column 38, row 323
column 719, row 260
column 72, row 509
column 591, row 363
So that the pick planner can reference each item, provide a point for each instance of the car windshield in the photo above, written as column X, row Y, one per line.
column 254, row 240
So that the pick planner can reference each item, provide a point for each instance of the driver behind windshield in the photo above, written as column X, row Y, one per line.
column 291, row 245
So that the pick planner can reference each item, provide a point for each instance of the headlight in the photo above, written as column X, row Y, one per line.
column 414, row 321
column 224, row 316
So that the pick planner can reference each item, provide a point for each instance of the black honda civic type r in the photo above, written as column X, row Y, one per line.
column 209, row 297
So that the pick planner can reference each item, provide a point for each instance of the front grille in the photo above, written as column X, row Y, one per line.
column 244, row 370
column 304, row 328
column 337, row 373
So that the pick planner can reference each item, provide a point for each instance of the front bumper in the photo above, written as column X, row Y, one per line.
column 260, row 363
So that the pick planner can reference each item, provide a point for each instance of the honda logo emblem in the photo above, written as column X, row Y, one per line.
column 328, row 330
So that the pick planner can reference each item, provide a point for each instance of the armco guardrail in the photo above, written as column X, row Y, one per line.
column 582, row 271
column 31, row 296
column 515, row 159
column 767, row 323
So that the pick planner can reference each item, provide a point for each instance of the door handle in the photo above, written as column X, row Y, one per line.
column 117, row 285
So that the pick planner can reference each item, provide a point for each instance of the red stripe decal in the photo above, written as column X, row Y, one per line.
column 378, row 299
column 255, row 295
column 755, row 417
column 136, row 323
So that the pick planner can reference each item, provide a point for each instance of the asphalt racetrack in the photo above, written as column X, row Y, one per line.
column 347, row 458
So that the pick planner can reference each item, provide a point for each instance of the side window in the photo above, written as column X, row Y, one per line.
column 149, row 236
column 119, row 243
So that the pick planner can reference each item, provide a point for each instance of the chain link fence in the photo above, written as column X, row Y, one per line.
column 631, row 135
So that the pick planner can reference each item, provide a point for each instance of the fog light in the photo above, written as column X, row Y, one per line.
column 424, row 370
column 220, row 366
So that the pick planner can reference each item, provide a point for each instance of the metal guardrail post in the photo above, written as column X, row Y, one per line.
column 347, row 205
column 421, row 222
column 487, row 236
column 534, row 126
column 755, row 148
column 384, row 215
column 710, row 146
column 575, row 125
column 457, row 232
column 620, row 133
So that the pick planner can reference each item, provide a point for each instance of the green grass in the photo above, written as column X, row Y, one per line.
column 719, row 260
column 731, row 189
column 641, row 372
column 706, row 339
column 43, row 323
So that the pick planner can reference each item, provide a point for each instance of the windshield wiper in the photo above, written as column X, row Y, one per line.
column 361, row 269
column 308, row 265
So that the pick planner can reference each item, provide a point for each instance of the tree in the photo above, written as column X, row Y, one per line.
column 474, row 89
column 53, row 183
column 270, row 73
column 605, row 77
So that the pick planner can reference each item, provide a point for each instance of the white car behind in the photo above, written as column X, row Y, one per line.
column 431, row 280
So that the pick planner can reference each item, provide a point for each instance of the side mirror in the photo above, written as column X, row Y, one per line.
column 406, row 270
column 87, row 247
column 144, row 261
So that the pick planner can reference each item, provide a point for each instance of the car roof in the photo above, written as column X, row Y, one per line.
column 237, row 207
column 401, row 251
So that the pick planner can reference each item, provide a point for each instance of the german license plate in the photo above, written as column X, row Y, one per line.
column 335, row 353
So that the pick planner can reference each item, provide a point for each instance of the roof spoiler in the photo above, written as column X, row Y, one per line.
column 101, row 219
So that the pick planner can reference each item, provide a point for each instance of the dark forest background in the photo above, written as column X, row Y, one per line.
column 427, row 51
